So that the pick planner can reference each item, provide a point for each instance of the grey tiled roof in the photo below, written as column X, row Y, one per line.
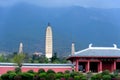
column 98, row 52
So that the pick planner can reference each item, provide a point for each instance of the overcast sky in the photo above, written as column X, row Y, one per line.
column 64, row 3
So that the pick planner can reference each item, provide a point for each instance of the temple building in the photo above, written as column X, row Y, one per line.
column 96, row 59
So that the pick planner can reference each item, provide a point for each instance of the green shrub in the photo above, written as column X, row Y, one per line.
column 43, row 79
column 50, row 71
column 76, row 77
column 67, row 71
column 51, row 76
column 41, row 70
column 96, row 77
column 42, row 75
column 11, row 76
column 5, row 76
column 18, row 77
column 93, row 77
column 73, row 74
column 60, row 72
column 106, row 77
column 62, row 79
column 58, row 75
column 106, row 72
column 113, row 76
column 83, row 78
column 118, row 77
column 31, row 71
column 89, row 75
column 27, row 76
column 66, row 75
column 17, row 70
column 80, row 74
column 36, row 77
column 116, row 72
column 8, row 76
column 70, row 78
column 10, row 72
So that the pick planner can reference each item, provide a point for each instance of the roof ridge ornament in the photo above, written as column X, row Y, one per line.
column 90, row 45
column 115, row 46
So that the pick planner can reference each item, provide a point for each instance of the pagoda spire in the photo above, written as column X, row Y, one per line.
column 21, row 48
column 48, row 42
column 48, row 24
column 73, row 48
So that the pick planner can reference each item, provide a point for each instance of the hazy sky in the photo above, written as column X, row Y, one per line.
column 64, row 3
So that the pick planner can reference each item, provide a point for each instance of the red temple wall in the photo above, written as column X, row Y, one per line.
column 4, row 69
column 107, row 66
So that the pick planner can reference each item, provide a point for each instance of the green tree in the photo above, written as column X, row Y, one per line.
column 2, row 58
column 18, row 59
column 43, row 59
column 55, row 59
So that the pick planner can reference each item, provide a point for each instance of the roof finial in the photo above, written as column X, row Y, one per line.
column 48, row 24
column 115, row 46
column 90, row 45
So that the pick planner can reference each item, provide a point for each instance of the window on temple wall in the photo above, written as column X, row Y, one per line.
column 94, row 66
column 118, row 66
column 82, row 66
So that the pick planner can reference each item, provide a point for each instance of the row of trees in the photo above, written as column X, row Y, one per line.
column 33, row 58
column 51, row 75
column 42, row 75
column 17, row 58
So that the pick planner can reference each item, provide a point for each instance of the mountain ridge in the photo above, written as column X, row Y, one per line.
column 28, row 23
